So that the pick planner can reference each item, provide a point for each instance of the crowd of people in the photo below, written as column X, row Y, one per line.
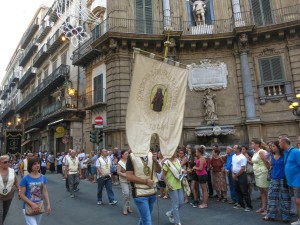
column 271, row 168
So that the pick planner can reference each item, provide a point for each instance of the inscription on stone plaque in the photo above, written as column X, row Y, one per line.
column 208, row 75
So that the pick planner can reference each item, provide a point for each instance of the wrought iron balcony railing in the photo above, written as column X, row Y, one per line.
column 40, row 56
column 29, row 74
column 28, row 52
column 49, row 84
column 55, row 41
column 29, row 34
column 9, row 110
column 94, row 98
column 45, row 28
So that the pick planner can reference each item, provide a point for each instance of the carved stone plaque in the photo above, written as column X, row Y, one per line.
column 208, row 75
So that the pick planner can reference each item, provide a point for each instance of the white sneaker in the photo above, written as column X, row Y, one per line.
column 296, row 222
column 113, row 202
column 99, row 203
column 169, row 214
column 171, row 219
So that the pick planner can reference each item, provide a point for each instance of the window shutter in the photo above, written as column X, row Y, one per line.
column 149, row 16
column 144, row 16
column 265, row 70
column 277, row 69
column 257, row 13
column 267, row 12
column 96, row 32
column 262, row 12
column 271, row 69
column 64, row 58
column 98, row 89
column 139, row 16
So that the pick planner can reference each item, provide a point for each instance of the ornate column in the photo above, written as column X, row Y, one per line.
column 237, row 15
column 246, row 79
column 167, row 13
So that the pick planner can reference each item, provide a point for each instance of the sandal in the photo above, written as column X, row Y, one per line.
column 261, row 210
column 224, row 200
column 202, row 206
column 268, row 219
column 219, row 199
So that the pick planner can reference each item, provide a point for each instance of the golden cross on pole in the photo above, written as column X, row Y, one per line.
column 167, row 43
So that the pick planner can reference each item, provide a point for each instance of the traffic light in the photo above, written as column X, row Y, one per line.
column 100, row 136
column 93, row 136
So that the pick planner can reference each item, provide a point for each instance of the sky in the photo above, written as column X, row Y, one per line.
column 15, row 17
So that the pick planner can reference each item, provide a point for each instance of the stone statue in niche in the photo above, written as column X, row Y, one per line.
column 199, row 8
column 209, row 103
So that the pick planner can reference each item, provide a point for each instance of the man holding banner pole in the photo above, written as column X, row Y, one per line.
column 155, row 106
column 140, row 172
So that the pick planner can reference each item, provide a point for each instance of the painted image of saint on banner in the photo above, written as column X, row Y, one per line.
column 158, row 98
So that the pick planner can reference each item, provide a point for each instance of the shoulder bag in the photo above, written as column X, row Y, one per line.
column 29, row 211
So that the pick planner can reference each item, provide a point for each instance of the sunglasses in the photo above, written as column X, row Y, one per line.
column 5, row 162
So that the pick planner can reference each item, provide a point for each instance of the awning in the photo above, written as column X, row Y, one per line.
column 25, row 142
column 31, row 130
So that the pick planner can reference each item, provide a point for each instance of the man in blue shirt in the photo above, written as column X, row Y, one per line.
column 228, row 170
column 291, row 169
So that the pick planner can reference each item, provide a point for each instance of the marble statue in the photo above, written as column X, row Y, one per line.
column 199, row 8
column 209, row 102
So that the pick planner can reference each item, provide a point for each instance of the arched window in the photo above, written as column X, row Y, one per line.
column 144, row 16
column 262, row 12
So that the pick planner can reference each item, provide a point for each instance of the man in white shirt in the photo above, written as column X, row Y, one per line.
column 81, row 157
column 239, row 176
column 104, row 169
column 72, row 172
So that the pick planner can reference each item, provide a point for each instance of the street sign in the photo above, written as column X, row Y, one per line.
column 98, row 120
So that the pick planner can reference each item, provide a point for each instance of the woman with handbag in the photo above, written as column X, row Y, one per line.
column 8, row 185
column 33, row 191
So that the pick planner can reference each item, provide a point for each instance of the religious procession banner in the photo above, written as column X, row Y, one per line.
column 13, row 142
column 156, row 105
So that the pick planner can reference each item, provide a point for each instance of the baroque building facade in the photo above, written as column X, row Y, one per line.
column 257, row 40
column 38, row 103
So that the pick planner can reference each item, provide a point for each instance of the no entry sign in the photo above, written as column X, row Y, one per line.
column 98, row 120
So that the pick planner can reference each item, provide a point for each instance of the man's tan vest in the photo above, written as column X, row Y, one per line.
column 25, row 168
column 11, row 180
column 73, row 165
column 138, row 166
column 105, row 165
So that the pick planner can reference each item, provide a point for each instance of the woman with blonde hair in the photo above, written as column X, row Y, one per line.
column 261, row 167
column 33, row 191
column 8, row 185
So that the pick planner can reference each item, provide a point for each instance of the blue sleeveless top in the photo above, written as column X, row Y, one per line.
column 277, row 168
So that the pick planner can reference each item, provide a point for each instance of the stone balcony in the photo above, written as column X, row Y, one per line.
column 275, row 91
column 136, row 31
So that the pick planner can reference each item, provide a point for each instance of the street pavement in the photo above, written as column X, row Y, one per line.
column 83, row 209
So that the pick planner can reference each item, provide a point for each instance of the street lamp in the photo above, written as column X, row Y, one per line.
column 71, row 91
column 295, row 105
column 9, row 123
